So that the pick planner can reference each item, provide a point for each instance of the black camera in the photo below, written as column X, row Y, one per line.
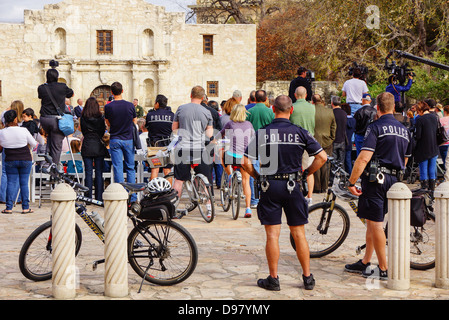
column 54, row 64
column 400, row 73
column 363, row 70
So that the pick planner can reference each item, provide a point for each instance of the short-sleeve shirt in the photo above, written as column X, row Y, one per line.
column 159, row 123
column 120, row 114
column 193, row 120
column 279, row 147
column 389, row 140
column 354, row 88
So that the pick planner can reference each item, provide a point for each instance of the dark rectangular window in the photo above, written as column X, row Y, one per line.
column 208, row 44
column 212, row 89
column 104, row 42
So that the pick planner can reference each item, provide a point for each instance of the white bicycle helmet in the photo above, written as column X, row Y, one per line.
column 341, row 191
column 158, row 185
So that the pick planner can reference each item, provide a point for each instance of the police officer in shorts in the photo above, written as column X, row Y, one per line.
column 386, row 149
column 279, row 147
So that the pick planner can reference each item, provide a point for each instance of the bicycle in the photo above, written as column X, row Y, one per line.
column 329, row 223
column 198, row 187
column 160, row 250
column 231, row 191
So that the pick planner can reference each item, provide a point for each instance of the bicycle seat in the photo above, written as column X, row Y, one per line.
column 134, row 187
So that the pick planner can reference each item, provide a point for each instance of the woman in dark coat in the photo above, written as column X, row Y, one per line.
column 93, row 149
column 426, row 149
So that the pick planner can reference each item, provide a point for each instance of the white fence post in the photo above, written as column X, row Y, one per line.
column 399, row 197
column 63, row 242
column 116, row 232
column 442, row 236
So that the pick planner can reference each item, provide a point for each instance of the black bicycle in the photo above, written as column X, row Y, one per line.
column 329, row 223
column 160, row 250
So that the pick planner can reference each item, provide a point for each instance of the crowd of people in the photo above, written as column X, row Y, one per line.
column 300, row 133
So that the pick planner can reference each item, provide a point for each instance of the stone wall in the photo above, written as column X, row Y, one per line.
column 154, row 52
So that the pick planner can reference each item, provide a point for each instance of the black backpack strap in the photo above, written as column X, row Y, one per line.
column 52, row 100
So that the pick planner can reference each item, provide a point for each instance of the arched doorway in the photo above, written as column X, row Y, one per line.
column 102, row 94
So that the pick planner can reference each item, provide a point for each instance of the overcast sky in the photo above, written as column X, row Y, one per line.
column 12, row 10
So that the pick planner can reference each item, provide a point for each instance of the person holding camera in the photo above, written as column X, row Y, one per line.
column 48, row 92
column 354, row 89
column 396, row 89
column 300, row 81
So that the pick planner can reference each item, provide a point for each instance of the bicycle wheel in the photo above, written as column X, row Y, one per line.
column 236, row 190
column 326, row 230
column 163, row 252
column 224, row 192
column 35, row 260
column 422, row 245
column 204, row 196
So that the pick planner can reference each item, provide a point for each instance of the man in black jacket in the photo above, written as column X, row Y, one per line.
column 363, row 117
column 300, row 81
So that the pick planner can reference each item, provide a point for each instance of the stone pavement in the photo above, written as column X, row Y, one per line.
column 231, row 259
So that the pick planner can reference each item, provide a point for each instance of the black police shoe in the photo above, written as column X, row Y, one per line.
column 375, row 273
column 309, row 282
column 357, row 267
column 269, row 283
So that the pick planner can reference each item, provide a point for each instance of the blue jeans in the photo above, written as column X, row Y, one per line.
column 89, row 170
column 4, row 180
column 122, row 157
column 358, row 140
column 18, row 173
column 428, row 169
column 355, row 107
column 254, row 201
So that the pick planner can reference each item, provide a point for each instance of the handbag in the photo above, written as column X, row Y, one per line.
column 442, row 135
column 65, row 122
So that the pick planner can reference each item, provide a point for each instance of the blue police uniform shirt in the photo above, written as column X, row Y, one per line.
column 389, row 140
column 279, row 147
column 159, row 123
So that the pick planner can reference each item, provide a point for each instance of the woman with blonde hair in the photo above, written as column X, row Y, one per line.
column 239, row 132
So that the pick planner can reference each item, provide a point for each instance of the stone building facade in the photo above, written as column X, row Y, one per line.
column 150, row 51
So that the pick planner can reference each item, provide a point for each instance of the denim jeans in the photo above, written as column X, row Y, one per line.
column 18, row 173
column 355, row 107
column 254, row 201
column 4, row 180
column 358, row 140
column 428, row 169
column 122, row 157
column 89, row 163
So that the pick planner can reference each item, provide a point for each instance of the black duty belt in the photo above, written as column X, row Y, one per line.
column 284, row 176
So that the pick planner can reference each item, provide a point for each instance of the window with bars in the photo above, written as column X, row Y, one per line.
column 208, row 44
column 212, row 89
column 104, row 42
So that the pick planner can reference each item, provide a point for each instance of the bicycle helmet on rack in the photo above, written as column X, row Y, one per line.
column 341, row 190
column 158, row 185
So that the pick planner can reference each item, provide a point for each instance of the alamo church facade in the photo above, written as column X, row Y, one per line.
column 150, row 51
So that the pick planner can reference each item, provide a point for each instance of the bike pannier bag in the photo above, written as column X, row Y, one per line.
column 417, row 211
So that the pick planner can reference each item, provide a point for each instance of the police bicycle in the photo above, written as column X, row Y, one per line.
column 329, row 223
column 198, row 188
column 160, row 250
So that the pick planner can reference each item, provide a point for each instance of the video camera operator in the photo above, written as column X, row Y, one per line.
column 301, row 81
column 47, row 92
column 396, row 89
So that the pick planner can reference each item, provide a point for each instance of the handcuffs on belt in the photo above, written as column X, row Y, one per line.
column 291, row 178
column 377, row 173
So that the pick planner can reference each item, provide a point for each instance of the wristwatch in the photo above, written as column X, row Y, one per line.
column 351, row 185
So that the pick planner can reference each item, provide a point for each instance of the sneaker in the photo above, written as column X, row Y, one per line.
column 375, row 273
column 269, row 283
column 248, row 213
column 357, row 267
column 254, row 205
column 309, row 282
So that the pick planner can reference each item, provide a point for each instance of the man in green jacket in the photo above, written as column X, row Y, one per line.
column 260, row 116
column 304, row 116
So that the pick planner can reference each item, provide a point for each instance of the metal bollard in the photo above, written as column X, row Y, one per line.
column 399, row 197
column 441, row 195
column 63, row 242
column 115, row 252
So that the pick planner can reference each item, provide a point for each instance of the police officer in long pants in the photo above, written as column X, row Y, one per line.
column 386, row 149
column 279, row 147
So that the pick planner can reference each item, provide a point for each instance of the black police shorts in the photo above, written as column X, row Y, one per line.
column 183, row 162
column 373, row 202
column 276, row 198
